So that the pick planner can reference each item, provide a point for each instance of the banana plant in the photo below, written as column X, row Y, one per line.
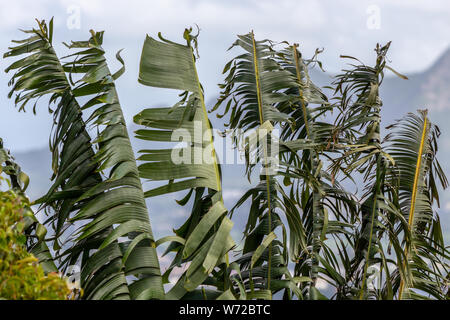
column 80, row 192
column 253, row 88
column 202, row 243
column 320, row 197
column 313, row 163
column 121, row 191
column 413, row 146
column 396, row 183
column 359, row 123
column 40, row 74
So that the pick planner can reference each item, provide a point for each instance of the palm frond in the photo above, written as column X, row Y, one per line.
column 119, row 196
column 254, row 86
column 40, row 74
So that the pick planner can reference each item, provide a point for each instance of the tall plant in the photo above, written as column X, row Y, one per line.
column 80, row 192
column 204, row 239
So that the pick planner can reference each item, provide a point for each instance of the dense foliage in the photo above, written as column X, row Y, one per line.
column 306, row 225
column 21, row 276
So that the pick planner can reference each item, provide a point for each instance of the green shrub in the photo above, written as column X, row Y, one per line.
column 21, row 276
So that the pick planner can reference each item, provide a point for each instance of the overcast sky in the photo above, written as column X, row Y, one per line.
column 418, row 29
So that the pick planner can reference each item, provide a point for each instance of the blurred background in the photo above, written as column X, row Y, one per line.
column 419, row 31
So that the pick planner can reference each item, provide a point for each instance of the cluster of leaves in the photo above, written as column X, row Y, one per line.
column 21, row 276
